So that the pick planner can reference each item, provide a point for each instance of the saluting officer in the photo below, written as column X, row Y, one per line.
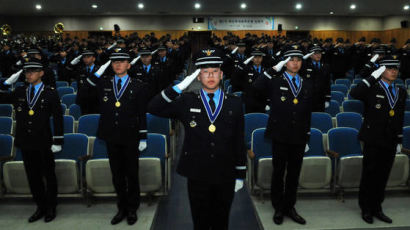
column 34, row 105
column 381, row 132
column 289, row 129
column 122, row 126
column 319, row 74
column 213, row 156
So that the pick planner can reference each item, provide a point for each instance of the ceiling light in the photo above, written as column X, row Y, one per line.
column 94, row 6
column 298, row 6
column 197, row 5
column 243, row 6
column 38, row 7
column 296, row 27
column 353, row 6
column 140, row 5
column 406, row 7
column 101, row 28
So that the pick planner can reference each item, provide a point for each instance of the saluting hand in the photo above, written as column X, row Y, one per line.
column 280, row 65
column 13, row 78
column 102, row 69
column 377, row 73
column 188, row 80
column 76, row 60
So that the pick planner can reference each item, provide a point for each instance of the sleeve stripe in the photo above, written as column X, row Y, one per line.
column 240, row 167
column 366, row 82
column 143, row 131
column 56, row 137
column 267, row 75
column 165, row 97
column 89, row 81
column 400, row 135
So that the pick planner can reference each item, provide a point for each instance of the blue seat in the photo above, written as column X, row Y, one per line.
column 340, row 88
column 6, row 110
column 344, row 141
column 407, row 83
column 262, row 162
column 68, row 99
column 406, row 118
column 356, row 106
column 64, row 90
column 337, row 96
column 315, row 144
column 75, row 145
column 343, row 81
column 6, row 145
column 6, row 125
column 321, row 121
column 68, row 122
column 99, row 149
column 88, row 124
column 357, row 80
column 75, row 111
column 333, row 109
column 74, row 85
column 61, row 84
column 159, row 125
column 406, row 137
column 156, row 147
column 408, row 105
column 63, row 108
column 254, row 121
column 349, row 119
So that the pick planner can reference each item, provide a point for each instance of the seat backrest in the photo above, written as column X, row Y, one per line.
column 261, row 146
column 75, row 111
column 315, row 143
column 406, row 137
column 156, row 147
column 61, row 84
column 344, row 141
column 343, row 81
column 68, row 99
column 99, row 149
column 159, row 125
column 333, row 109
column 321, row 121
column 88, row 124
column 349, row 119
column 68, row 124
column 340, row 87
column 6, row 145
column 337, row 96
column 6, row 125
column 356, row 106
column 75, row 145
column 65, row 90
column 254, row 121
column 6, row 110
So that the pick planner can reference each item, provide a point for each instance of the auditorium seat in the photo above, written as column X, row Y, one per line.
column 64, row 90
column 6, row 125
column 74, row 85
column 68, row 124
column 253, row 121
column 343, row 81
column 321, row 121
column 161, row 125
column 333, row 109
column 349, row 119
column 260, row 171
column 356, row 106
column 14, row 176
column 316, row 172
column 60, row 84
column 68, row 99
column 88, row 124
column 337, row 96
column 6, row 110
column 340, row 88
column 75, row 111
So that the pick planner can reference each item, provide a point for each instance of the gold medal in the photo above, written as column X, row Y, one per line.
column 283, row 98
column 212, row 128
column 192, row 124
column 295, row 101
column 391, row 113
column 117, row 104
column 31, row 112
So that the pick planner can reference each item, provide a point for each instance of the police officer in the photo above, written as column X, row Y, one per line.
column 122, row 126
column 87, row 97
column 381, row 133
column 319, row 74
column 35, row 104
column 288, row 127
column 213, row 156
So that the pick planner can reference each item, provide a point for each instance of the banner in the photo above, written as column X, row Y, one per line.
column 240, row 23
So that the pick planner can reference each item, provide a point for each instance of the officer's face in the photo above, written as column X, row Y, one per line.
column 317, row 56
column 121, row 67
column 63, row 54
column 241, row 49
column 210, row 77
column 34, row 76
column 146, row 59
column 257, row 60
column 88, row 60
column 162, row 53
column 294, row 64
column 390, row 74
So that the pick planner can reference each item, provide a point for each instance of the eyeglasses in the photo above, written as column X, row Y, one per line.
column 210, row 74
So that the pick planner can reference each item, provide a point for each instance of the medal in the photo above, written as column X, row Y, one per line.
column 31, row 103
column 212, row 116
column 212, row 128
column 391, row 113
column 117, row 94
column 392, row 101
column 295, row 91
column 295, row 101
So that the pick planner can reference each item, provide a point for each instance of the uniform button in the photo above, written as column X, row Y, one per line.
column 29, row 130
column 116, row 122
column 30, row 122
column 212, row 155
column 116, row 114
column 212, row 144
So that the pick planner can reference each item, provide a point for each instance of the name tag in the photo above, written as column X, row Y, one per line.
column 310, row 70
column 108, row 90
column 195, row 110
column 250, row 74
column 379, row 96
column 284, row 88
column 139, row 73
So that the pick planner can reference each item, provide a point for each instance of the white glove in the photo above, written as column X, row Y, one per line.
column 398, row 148
column 55, row 148
column 248, row 60
column 238, row 184
column 101, row 70
column 374, row 58
column 188, row 80
column 135, row 60
column 76, row 60
column 280, row 65
column 153, row 52
column 308, row 55
column 306, row 148
column 278, row 53
column 267, row 108
column 18, row 63
column 327, row 104
column 378, row 72
column 143, row 145
column 112, row 46
column 234, row 51
column 13, row 78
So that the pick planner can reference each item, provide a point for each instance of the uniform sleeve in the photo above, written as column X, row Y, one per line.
column 57, row 114
column 6, row 97
column 166, row 104
column 240, row 148
column 261, row 85
column 362, row 89
column 142, row 114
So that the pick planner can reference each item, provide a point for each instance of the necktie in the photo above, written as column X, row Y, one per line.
column 31, row 93
column 391, row 91
column 317, row 65
column 211, row 101
column 294, row 83
column 119, row 85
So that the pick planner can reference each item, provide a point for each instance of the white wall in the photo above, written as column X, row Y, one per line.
column 90, row 23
